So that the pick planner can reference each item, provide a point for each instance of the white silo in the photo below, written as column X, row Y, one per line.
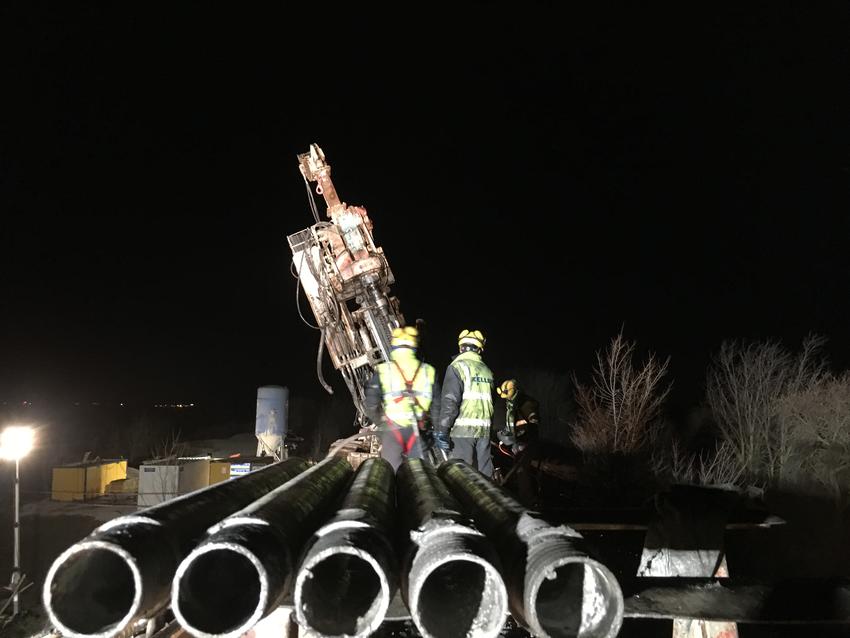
column 272, row 410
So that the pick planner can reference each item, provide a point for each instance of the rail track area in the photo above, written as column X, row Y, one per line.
column 324, row 550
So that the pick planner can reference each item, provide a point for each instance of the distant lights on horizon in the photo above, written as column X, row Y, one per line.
column 27, row 404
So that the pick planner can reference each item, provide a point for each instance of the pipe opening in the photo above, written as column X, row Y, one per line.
column 579, row 599
column 219, row 591
column 93, row 591
column 460, row 598
column 342, row 595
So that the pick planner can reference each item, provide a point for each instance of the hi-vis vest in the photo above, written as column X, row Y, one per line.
column 405, row 408
column 476, row 407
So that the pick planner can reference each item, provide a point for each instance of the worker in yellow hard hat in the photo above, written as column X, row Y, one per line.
column 466, row 412
column 403, row 398
column 507, row 389
column 518, row 439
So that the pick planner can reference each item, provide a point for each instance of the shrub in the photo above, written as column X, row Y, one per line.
column 746, row 388
column 816, row 421
column 619, row 408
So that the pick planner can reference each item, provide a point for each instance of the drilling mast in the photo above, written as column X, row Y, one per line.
column 346, row 279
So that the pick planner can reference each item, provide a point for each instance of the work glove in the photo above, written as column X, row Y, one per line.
column 442, row 440
column 427, row 435
column 506, row 437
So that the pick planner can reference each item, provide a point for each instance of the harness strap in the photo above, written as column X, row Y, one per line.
column 405, row 446
column 410, row 393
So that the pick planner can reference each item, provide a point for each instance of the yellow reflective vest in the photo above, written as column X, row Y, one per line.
column 476, row 408
column 407, row 385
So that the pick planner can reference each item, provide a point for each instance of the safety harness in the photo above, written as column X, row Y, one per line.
column 408, row 393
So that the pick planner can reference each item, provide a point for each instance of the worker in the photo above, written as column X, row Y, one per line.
column 466, row 412
column 519, row 437
column 403, row 399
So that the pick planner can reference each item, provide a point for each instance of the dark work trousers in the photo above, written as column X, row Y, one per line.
column 476, row 452
column 526, row 484
column 399, row 443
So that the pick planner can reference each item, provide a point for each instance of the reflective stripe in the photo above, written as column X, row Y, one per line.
column 475, row 412
column 469, row 421
column 509, row 416
column 423, row 393
column 467, row 380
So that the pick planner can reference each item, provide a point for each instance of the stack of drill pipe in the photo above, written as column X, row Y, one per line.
column 121, row 573
column 450, row 579
column 243, row 569
column 555, row 588
column 349, row 573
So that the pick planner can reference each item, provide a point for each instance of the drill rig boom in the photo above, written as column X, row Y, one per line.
column 346, row 279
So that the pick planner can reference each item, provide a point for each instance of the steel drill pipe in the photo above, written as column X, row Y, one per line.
column 242, row 570
column 450, row 579
column 121, row 573
column 348, row 576
column 556, row 589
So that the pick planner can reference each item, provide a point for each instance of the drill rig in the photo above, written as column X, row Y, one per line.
column 346, row 279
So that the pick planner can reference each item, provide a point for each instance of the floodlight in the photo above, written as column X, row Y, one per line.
column 16, row 441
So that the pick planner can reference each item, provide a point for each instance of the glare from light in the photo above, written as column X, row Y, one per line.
column 16, row 441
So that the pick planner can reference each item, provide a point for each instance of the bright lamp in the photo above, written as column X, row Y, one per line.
column 16, row 441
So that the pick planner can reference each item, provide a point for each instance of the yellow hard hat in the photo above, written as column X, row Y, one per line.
column 508, row 389
column 407, row 337
column 471, row 338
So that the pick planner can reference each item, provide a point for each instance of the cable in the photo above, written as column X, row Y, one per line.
column 298, row 297
column 341, row 444
column 324, row 383
column 505, row 451
column 329, row 302
column 310, row 199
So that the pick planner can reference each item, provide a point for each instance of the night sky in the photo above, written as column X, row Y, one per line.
column 546, row 176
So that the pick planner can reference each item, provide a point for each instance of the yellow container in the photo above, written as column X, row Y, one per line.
column 219, row 471
column 68, row 483
column 104, row 474
column 79, row 482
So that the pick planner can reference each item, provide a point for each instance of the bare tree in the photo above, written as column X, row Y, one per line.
column 745, row 387
column 709, row 467
column 719, row 467
column 673, row 463
column 170, row 447
column 816, row 419
column 618, row 409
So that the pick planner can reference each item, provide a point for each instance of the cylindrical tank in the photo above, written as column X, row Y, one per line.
column 272, row 412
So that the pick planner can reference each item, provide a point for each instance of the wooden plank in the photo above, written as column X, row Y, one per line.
column 640, row 519
column 794, row 601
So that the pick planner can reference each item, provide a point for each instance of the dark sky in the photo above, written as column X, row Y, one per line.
column 546, row 176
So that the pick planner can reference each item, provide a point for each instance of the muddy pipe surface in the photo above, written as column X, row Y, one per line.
column 349, row 574
column 556, row 589
column 450, row 576
column 242, row 570
column 122, row 571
